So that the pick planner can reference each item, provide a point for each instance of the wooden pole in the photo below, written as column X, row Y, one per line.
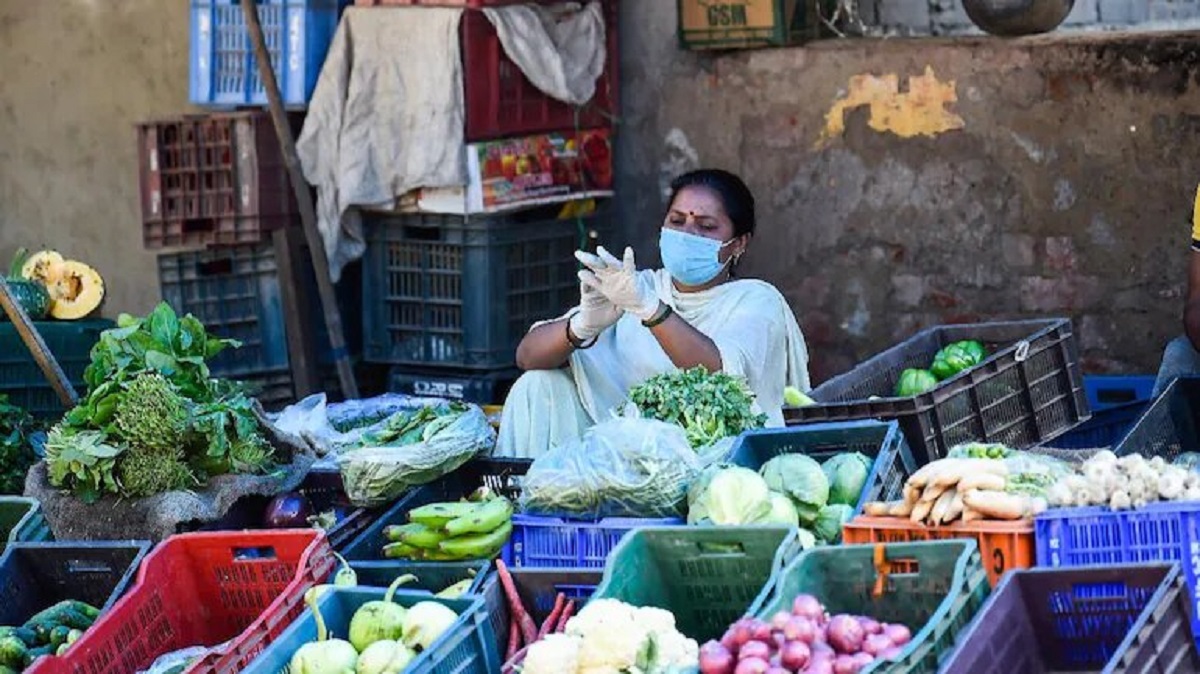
column 308, row 217
column 37, row 346
column 297, row 319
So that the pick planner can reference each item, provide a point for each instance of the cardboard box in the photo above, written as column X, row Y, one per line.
column 741, row 24
column 516, row 173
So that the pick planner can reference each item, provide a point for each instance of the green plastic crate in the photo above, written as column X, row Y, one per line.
column 936, row 590
column 22, row 380
column 22, row 521
column 707, row 576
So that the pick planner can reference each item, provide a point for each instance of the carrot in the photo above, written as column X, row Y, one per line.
column 511, row 665
column 552, row 619
column 567, row 612
column 514, row 637
column 529, row 630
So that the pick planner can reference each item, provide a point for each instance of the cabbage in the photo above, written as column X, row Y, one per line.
column 807, row 540
column 847, row 474
column 729, row 496
column 801, row 479
column 783, row 511
column 828, row 526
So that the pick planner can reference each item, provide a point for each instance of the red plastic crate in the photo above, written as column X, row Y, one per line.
column 243, row 588
column 502, row 102
column 216, row 179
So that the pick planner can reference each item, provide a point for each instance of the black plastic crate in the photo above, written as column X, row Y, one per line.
column 1170, row 426
column 457, row 291
column 324, row 491
column 34, row 576
column 236, row 294
column 1029, row 389
column 22, row 380
column 1090, row 619
column 481, row 388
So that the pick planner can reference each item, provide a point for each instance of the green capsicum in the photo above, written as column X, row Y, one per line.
column 953, row 359
column 914, row 381
column 975, row 349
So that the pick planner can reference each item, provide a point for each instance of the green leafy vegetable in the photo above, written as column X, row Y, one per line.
column 16, row 452
column 847, row 474
column 83, row 461
column 708, row 406
column 828, row 527
column 729, row 496
column 802, row 480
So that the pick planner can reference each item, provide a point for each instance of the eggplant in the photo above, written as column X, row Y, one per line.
column 289, row 510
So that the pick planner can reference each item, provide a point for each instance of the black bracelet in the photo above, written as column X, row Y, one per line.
column 661, row 316
column 574, row 341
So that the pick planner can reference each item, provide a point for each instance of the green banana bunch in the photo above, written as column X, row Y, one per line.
column 474, row 529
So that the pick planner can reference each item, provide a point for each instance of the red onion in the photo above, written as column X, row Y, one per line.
column 819, row 667
column 897, row 634
column 715, row 659
column 870, row 625
column 760, row 631
column 754, row 649
column 844, row 634
column 795, row 655
column 845, row 664
column 752, row 666
column 876, row 644
column 780, row 619
column 775, row 669
column 742, row 631
column 807, row 606
column 863, row 659
column 892, row 653
column 800, row 629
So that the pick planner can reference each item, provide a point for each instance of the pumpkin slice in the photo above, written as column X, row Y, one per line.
column 43, row 266
column 77, row 291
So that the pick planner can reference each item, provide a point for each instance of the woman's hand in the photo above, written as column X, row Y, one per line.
column 596, row 313
column 620, row 282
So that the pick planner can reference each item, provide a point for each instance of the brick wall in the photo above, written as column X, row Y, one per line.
column 946, row 17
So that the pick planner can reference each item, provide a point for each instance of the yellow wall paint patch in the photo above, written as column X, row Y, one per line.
column 921, row 111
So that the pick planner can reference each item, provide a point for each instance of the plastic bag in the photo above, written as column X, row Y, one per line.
column 374, row 476
column 176, row 662
column 619, row 468
column 329, row 428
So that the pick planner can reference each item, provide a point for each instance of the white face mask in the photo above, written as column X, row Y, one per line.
column 692, row 260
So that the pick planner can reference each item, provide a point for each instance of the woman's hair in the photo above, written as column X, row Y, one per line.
column 735, row 197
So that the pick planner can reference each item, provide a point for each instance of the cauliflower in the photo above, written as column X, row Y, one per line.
column 1120, row 501
column 1158, row 463
column 554, row 654
column 1191, row 494
column 1131, row 462
column 1170, row 484
column 613, row 637
column 673, row 651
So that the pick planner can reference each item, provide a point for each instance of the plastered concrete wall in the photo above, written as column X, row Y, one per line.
column 903, row 184
column 74, row 78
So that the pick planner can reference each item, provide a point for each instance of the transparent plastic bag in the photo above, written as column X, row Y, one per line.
column 620, row 468
column 374, row 476
column 329, row 428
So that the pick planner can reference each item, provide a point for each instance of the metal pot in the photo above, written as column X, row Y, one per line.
column 1010, row 18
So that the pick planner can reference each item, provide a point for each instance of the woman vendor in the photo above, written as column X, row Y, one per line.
column 632, row 324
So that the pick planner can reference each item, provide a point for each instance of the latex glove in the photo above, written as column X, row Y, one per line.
column 620, row 282
column 596, row 313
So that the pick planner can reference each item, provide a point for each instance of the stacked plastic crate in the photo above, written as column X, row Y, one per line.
column 448, row 296
column 215, row 188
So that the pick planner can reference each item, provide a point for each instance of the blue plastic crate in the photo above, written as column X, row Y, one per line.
column 1106, row 428
column 468, row 647
column 555, row 543
column 224, row 71
column 1108, row 391
column 538, row 589
column 1072, row 537
column 882, row 441
column 1116, row 619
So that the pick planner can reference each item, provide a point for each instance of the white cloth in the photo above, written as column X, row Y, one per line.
column 562, row 51
column 387, row 113
column 386, row 117
column 749, row 321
